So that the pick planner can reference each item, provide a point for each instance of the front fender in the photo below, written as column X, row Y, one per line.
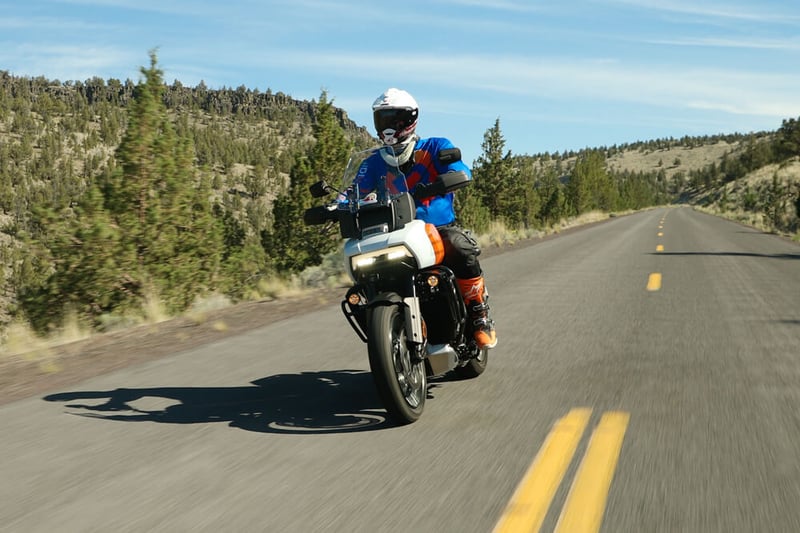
column 385, row 298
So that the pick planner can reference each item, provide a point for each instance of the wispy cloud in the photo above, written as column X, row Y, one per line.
column 69, row 62
column 730, row 91
column 496, row 5
column 52, row 23
column 714, row 10
column 525, row 78
column 756, row 44
column 173, row 7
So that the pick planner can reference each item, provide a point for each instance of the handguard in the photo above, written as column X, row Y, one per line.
column 315, row 216
column 447, row 182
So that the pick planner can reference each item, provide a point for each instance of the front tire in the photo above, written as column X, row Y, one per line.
column 402, row 383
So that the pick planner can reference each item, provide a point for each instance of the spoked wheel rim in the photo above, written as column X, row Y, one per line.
column 410, row 376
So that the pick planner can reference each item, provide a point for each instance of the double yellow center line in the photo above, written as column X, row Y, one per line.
column 585, row 503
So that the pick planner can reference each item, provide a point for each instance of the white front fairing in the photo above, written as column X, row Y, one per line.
column 413, row 236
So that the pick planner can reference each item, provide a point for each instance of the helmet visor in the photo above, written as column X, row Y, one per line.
column 394, row 119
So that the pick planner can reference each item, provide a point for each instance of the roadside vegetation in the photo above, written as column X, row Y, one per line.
column 123, row 203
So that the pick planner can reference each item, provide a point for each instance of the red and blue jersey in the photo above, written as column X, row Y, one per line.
column 436, row 210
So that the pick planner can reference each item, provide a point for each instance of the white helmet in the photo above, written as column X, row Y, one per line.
column 395, row 113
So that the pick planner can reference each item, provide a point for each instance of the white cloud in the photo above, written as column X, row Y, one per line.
column 489, row 78
column 758, row 44
column 730, row 11
column 69, row 62
column 51, row 23
column 732, row 91
column 173, row 7
column 497, row 5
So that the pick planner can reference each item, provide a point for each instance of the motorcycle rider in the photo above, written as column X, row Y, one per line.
column 395, row 113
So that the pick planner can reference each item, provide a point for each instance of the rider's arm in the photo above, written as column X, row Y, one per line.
column 433, row 186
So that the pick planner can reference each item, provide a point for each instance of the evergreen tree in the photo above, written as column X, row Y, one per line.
column 470, row 211
column 552, row 197
column 590, row 187
column 788, row 138
column 170, row 240
column 528, row 203
column 244, row 268
column 88, row 277
column 58, row 142
column 244, row 262
column 147, row 228
column 774, row 202
column 291, row 244
column 797, row 203
column 494, row 178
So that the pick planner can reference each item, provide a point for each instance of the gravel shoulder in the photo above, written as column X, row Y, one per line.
column 60, row 366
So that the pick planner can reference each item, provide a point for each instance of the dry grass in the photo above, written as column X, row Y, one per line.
column 22, row 343
column 20, row 339
column 153, row 309
column 499, row 235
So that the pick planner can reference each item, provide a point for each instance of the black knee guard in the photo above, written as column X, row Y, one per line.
column 461, row 252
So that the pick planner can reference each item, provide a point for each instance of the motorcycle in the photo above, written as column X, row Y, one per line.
column 404, row 303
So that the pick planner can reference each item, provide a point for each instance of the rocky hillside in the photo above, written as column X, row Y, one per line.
column 58, row 138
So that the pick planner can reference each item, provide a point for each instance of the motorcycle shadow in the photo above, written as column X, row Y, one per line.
column 340, row 401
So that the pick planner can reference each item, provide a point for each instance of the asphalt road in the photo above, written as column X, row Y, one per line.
column 634, row 388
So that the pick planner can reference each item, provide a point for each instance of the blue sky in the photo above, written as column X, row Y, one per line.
column 558, row 75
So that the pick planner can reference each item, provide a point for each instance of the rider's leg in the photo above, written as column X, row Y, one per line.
column 475, row 297
column 461, row 256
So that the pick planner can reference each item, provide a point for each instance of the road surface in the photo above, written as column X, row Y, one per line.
column 647, row 379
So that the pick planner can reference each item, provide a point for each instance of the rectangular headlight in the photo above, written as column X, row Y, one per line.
column 387, row 254
column 361, row 262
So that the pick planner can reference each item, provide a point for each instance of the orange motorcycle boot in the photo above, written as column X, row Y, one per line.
column 475, row 296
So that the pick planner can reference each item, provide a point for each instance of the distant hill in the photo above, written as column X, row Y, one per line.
column 741, row 176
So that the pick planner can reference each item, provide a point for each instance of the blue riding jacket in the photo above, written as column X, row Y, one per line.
column 436, row 210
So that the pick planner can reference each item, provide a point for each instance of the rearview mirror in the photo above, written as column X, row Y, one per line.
column 315, row 216
column 320, row 189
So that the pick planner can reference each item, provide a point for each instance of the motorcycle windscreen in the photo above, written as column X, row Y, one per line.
column 371, row 174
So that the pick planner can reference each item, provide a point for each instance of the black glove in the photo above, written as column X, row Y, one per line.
column 425, row 190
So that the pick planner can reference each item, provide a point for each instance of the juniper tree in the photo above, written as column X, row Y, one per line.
column 291, row 244
column 493, row 176
column 169, row 237
column 788, row 138
column 471, row 213
column 590, row 186
column 145, row 227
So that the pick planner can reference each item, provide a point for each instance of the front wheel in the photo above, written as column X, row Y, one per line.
column 401, row 382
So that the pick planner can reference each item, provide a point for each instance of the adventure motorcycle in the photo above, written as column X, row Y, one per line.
column 403, row 303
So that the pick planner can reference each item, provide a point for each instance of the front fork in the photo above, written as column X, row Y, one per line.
column 415, row 330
